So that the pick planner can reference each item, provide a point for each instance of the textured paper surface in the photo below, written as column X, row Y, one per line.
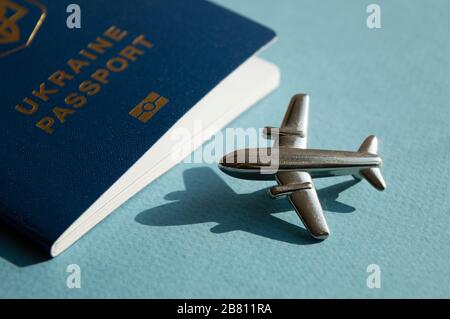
column 225, row 238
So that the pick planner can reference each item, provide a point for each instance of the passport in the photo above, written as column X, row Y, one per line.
column 86, row 114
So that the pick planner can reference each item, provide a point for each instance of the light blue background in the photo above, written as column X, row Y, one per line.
column 225, row 238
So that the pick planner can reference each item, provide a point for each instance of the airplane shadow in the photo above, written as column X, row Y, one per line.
column 209, row 199
column 18, row 250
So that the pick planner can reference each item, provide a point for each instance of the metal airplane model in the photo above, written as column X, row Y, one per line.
column 297, row 165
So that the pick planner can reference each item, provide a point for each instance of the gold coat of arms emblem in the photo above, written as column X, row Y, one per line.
column 20, row 20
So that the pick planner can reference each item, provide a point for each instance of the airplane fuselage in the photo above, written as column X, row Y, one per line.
column 264, row 163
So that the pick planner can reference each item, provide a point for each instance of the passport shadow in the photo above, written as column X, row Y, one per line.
column 209, row 199
column 18, row 250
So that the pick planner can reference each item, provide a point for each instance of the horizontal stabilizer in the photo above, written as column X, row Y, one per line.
column 374, row 177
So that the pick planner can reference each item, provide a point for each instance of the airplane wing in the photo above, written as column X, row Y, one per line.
column 294, row 128
column 306, row 203
column 298, row 186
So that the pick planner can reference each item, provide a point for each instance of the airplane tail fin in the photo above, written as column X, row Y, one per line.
column 372, row 175
column 370, row 145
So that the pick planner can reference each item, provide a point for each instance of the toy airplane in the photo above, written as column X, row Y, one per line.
column 297, row 165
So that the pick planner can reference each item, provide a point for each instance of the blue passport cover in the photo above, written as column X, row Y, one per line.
column 80, row 106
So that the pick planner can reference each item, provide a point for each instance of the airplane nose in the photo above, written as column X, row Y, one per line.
column 228, row 161
column 222, row 163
